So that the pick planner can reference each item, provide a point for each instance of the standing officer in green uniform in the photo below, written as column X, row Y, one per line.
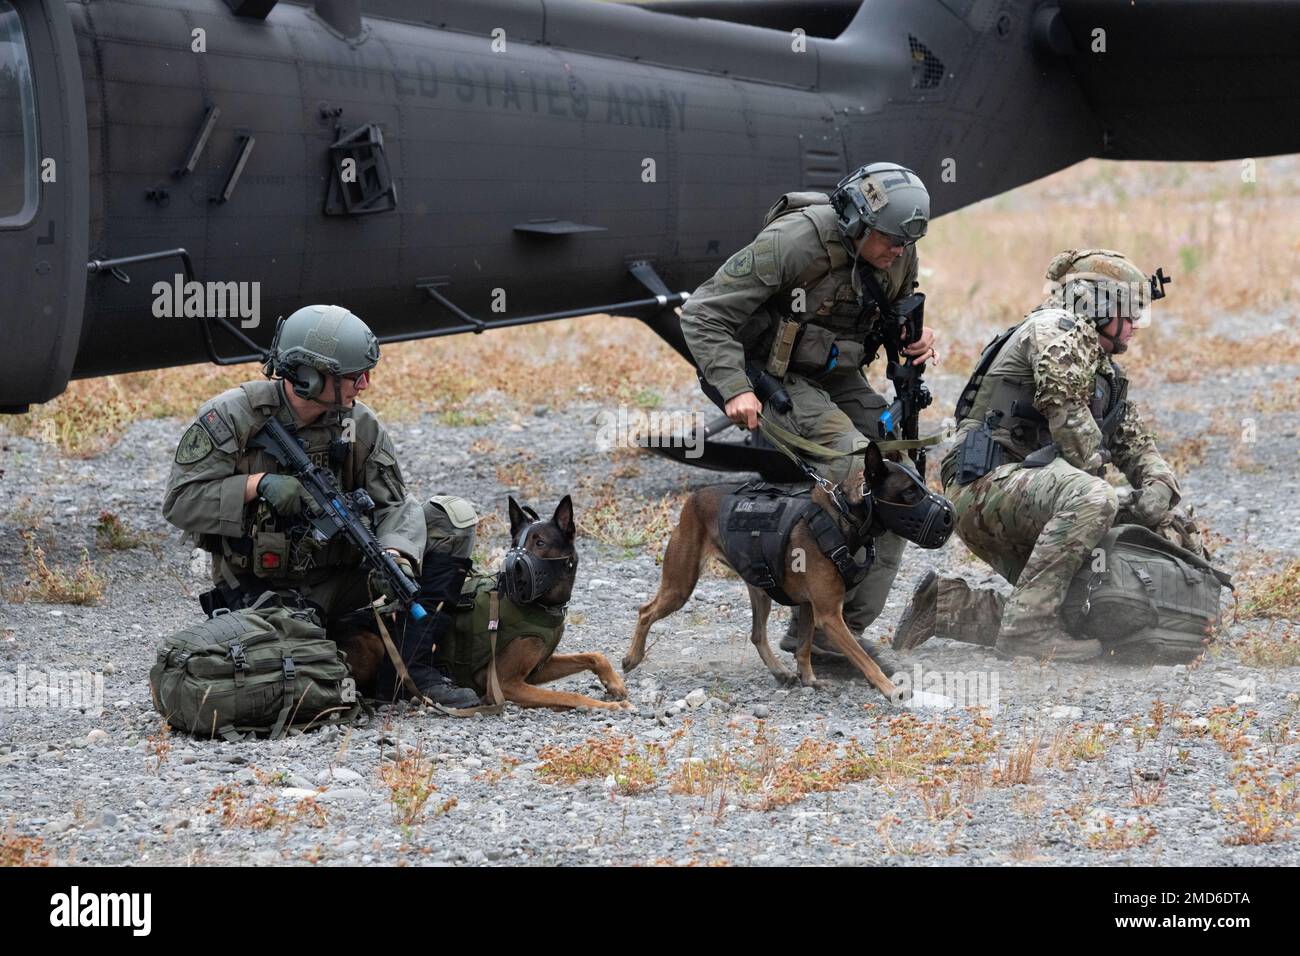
column 1044, row 412
column 230, row 499
column 799, row 302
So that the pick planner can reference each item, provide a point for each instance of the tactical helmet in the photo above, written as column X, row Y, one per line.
column 1101, row 284
column 320, row 340
column 882, row 196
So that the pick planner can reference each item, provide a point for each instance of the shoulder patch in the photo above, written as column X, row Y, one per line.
column 1065, row 322
column 195, row 445
column 741, row 264
column 216, row 426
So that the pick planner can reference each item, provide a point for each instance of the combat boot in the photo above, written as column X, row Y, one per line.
column 823, row 651
column 920, row 617
column 1047, row 644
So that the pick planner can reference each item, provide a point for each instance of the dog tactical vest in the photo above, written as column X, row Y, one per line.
column 755, row 523
column 467, row 648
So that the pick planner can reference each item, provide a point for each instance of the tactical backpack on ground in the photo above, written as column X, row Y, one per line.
column 1152, row 599
column 483, row 624
column 754, row 525
column 260, row 671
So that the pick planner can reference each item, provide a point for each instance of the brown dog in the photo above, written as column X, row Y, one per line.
column 523, row 659
column 818, row 587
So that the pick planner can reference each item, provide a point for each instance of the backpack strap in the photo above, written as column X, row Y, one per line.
column 290, row 691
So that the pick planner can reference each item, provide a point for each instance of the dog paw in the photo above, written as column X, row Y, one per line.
column 616, row 691
column 630, row 663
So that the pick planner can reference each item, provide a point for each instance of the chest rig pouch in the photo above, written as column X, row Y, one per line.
column 755, row 523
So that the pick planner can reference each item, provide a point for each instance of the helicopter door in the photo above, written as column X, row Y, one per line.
column 44, row 197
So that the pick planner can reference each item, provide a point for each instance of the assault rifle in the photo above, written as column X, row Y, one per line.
column 337, row 512
column 900, row 325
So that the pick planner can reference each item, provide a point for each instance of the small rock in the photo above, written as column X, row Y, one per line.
column 343, row 775
column 472, row 763
column 761, row 711
column 485, row 747
column 59, row 825
column 349, row 846
column 104, row 819
column 696, row 698
column 1066, row 713
column 97, row 737
column 50, row 755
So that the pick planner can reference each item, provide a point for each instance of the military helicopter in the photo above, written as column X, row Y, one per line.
column 176, row 173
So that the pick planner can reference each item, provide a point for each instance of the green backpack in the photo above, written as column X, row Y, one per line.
column 259, row 671
column 1151, row 600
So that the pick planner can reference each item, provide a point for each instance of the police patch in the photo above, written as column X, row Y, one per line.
column 741, row 264
column 195, row 445
column 216, row 427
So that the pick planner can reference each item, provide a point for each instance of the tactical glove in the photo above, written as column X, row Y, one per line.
column 285, row 494
column 1152, row 504
column 379, row 584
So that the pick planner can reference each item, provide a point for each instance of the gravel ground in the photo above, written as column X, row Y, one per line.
column 94, row 787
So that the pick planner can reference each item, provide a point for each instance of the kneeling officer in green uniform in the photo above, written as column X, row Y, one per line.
column 231, row 499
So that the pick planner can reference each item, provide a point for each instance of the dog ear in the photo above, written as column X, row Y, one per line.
column 563, row 517
column 875, row 465
column 518, row 518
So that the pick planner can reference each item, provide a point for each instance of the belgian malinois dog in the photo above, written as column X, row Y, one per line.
column 818, row 587
column 539, row 572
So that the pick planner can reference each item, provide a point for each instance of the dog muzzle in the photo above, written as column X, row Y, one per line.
column 927, row 523
column 525, row 577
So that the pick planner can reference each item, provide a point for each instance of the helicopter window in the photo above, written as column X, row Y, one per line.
column 18, row 153
column 927, row 69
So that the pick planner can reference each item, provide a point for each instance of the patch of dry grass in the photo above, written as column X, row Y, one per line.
column 1267, row 804
column 633, row 766
column 461, row 379
column 236, row 807
column 22, row 851
column 1267, row 649
column 1276, row 594
column 56, row 584
column 112, row 534
column 409, row 780
column 612, row 516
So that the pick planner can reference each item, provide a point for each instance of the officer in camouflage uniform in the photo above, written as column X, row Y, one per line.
column 231, row 501
column 794, row 303
column 1034, row 434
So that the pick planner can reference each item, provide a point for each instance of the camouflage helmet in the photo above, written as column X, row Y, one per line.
column 882, row 196
column 320, row 340
column 1100, row 284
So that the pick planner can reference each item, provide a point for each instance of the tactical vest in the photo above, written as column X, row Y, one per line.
column 466, row 650
column 828, row 331
column 1007, row 406
column 269, row 550
column 755, row 522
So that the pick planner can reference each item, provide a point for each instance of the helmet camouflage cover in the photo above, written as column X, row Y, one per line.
column 1099, row 284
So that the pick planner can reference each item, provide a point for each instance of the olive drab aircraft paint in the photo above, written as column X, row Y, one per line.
column 408, row 157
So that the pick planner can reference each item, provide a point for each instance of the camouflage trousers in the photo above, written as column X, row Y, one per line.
column 839, row 410
column 1036, row 527
column 341, row 590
